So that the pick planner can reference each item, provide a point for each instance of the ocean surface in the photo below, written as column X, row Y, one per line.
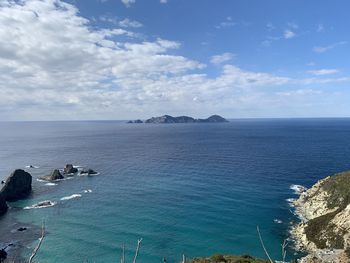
column 193, row 189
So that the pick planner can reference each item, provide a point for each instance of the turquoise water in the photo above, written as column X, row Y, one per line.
column 193, row 189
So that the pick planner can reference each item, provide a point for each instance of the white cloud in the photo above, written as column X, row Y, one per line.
column 225, row 57
column 322, row 49
column 288, row 34
column 130, row 23
column 55, row 65
column 128, row 3
column 226, row 23
column 320, row 72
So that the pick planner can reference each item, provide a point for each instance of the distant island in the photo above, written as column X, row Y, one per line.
column 181, row 119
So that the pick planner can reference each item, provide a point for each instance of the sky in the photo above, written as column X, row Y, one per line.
column 130, row 59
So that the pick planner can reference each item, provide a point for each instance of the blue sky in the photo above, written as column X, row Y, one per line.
column 126, row 59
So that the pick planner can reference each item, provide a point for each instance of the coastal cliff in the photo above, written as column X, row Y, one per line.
column 324, row 210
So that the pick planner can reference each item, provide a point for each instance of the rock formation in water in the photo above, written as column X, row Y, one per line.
column 185, row 119
column 70, row 169
column 88, row 172
column 3, row 205
column 17, row 186
column 325, row 210
column 55, row 175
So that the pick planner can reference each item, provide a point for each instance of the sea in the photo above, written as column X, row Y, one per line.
column 184, row 189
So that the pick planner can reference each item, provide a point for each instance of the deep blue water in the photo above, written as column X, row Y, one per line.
column 193, row 189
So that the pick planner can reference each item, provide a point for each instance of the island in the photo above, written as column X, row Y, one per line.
column 181, row 119
column 324, row 230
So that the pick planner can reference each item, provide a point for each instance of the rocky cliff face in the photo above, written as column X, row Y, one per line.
column 325, row 212
column 3, row 205
column 17, row 186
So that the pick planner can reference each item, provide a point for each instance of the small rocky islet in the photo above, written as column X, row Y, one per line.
column 180, row 119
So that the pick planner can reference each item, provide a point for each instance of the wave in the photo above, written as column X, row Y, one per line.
column 278, row 221
column 298, row 189
column 32, row 166
column 42, row 204
column 50, row 184
column 73, row 196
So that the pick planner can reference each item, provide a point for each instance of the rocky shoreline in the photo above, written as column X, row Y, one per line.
column 324, row 230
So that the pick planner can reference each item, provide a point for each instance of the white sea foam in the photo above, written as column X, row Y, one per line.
column 87, row 191
column 50, row 184
column 32, row 166
column 277, row 221
column 42, row 204
column 298, row 189
column 73, row 196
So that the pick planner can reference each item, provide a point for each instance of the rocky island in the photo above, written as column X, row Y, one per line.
column 181, row 119
column 324, row 209
column 17, row 186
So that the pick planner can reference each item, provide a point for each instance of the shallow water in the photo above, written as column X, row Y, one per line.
column 195, row 189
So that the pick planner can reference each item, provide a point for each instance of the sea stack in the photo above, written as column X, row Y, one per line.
column 55, row 175
column 17, row 186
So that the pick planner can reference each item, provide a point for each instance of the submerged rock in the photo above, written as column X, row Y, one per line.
column 70, row 169
column 55, row 175
column 17, row 186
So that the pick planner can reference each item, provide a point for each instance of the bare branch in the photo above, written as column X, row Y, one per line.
column 262, row 244
column 36, row 249
column 137, row 249
column 122, row 259
column 284, row 251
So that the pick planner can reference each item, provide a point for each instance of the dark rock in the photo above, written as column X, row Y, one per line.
column 88, row 172
column 2, row 181
column 185, row 119
column 55, row 175
column 17, row 186
column 3, row 255
column 3, row 205
column 69, row 169
column 21, row 229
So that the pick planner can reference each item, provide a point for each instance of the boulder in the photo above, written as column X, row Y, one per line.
column 55, row 175
column 69, row 169
column 17, row 186
column 3, row 205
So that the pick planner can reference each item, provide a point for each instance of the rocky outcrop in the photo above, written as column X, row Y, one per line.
column 325, row 212
column 17, row 186
column 185, row 119
column 88, row 172
column 3, row 205
column 55, row 175
column 70, row 169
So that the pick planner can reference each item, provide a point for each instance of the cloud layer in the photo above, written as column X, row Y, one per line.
column 55, row 65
